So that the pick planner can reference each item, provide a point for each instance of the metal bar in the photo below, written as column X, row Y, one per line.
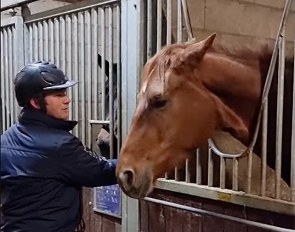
column 10, row 71
column 169, row 23
column 62, row 55
column 35, row 43
column 235, row 174
column 293, row 138
column 279, row 124
column 88, row 76
column 198, row 168
column 75, row 70
column 40, row 41
column 149, row 28
column 56, row 42
column 179, row 22
column 46, row 41
column 69, row 59
column 249, row 173
column 222, row 173
column 6, row 99
column 2, row 87
column 94, row 50
column 187, row 171
column 159, row 25
column 103, row 58
column 81, row 29
column 264, row 148
column 30, row 43
column 51, row 41
column 111, row 80
column 218, row 215
column 187, row 20
column 210, row 168
column 70, row 9
column 119, row 82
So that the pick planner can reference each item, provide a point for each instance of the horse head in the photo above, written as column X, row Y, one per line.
column 187, row 93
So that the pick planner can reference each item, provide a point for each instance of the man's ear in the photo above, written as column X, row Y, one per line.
column 34, row 103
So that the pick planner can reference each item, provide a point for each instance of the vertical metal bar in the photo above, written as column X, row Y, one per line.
column 81, row 28
column 235, row 174
column 6, row 100
column 103, row 79
column 75, row 69
column 249, row 173
column 69, row 60
column 210, row 168
column 88, row 77
column 222, row 172
column 35, row 42
column 94, row 73
column 179, row 22
column 46, row 42
column 62, row 55
column 293, row 137
column 30, row 45
column 40, row 41
column 280, row 99
column 119, row 83
column 10, row 76
column 111, row 81
column 149, row 28
column 51, row 41
column 264, row 148
column 169, row 22
column 26, row 43
column 56, row 42
column 2, row 79
column 159, row 25
column 187, row 171
column 198, row 168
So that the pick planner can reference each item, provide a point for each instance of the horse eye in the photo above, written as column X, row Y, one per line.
column 158, row 103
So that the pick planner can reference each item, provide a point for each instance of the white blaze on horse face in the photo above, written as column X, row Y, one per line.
column 144, row 86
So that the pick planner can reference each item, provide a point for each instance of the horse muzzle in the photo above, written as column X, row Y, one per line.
column 135, row 184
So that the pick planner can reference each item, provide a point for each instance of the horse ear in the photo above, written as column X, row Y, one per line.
column 229, row 121
column 196, row 50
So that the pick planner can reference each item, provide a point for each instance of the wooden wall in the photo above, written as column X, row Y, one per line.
column 97, row 222
column 156, row 217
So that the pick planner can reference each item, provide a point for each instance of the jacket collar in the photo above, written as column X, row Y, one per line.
column 37, row 117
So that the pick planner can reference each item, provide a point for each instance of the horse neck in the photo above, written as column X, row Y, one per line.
column 236, row 83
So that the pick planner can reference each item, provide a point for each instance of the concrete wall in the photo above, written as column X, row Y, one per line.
column 240, row 21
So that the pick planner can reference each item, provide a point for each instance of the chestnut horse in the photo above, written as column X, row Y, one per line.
column 188, row 92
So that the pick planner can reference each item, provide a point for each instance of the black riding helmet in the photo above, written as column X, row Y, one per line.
column 37, row 78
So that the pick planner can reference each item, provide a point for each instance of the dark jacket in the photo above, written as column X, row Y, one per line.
column 43, row 167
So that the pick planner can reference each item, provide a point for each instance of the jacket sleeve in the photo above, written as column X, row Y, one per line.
column 83, row 167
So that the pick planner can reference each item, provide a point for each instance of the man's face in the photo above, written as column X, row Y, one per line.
column 57, row 104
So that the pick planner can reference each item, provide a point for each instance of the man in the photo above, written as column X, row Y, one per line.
column 43, row 166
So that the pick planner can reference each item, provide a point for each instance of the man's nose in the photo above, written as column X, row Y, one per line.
column 67, row 100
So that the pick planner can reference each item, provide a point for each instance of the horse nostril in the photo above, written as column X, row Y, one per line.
column 127, row 178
